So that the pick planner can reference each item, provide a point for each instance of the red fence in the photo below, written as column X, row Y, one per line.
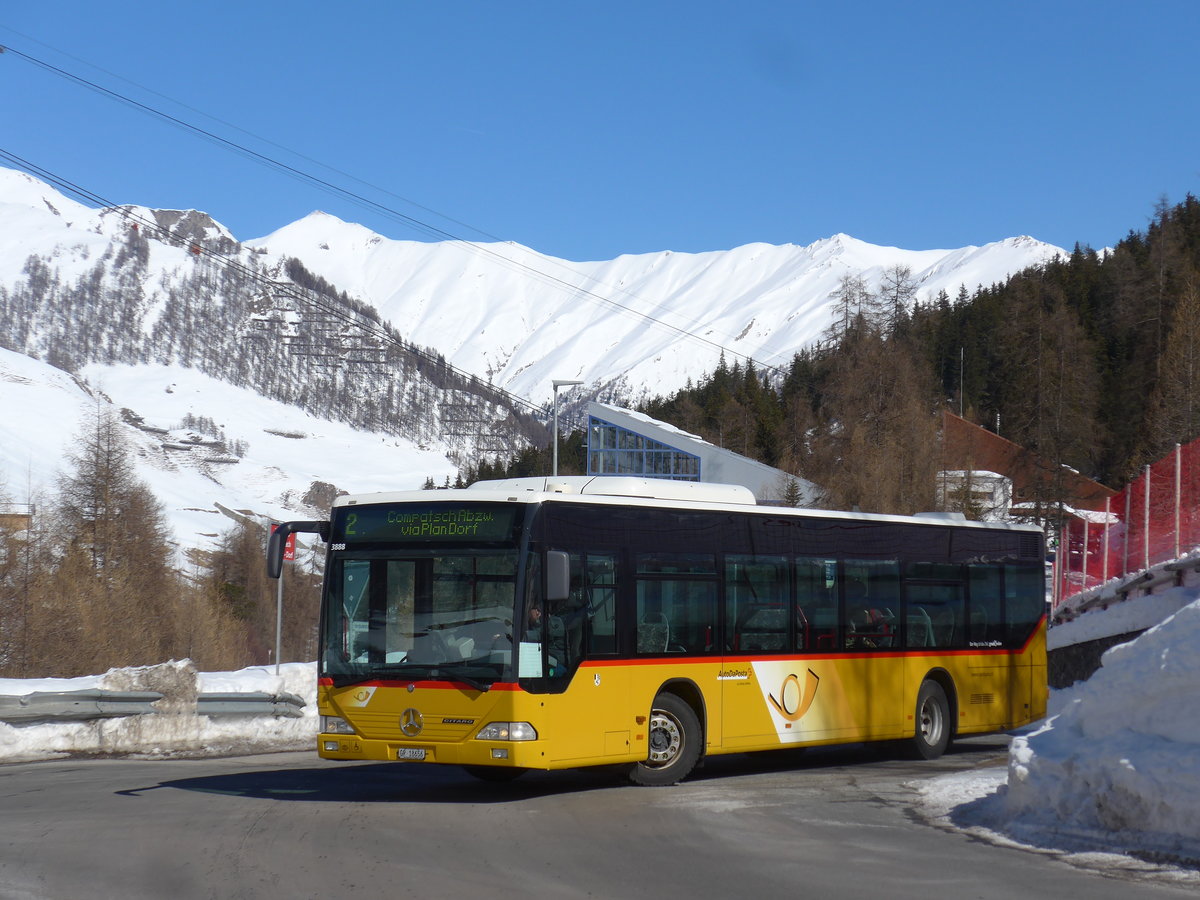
column 1154, row 519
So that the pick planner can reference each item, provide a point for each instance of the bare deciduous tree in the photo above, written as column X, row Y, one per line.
column 877, row 451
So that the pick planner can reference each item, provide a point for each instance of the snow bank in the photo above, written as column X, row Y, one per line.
column 1123, row 755
column 1112, row 778
column 176, row 730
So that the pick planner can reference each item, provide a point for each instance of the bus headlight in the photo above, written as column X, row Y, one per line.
column 335, row 725
column 507, row 731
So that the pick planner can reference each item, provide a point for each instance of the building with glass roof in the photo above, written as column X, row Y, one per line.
column 623, row 442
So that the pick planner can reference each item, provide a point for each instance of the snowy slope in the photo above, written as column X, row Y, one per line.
column 37, row 220
column 286, row 451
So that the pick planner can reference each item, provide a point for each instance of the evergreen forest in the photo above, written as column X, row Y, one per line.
column 1091, row 361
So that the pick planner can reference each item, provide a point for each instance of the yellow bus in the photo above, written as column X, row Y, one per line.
column 552, row 623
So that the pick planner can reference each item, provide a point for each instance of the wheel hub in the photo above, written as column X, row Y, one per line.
column 666, row 737
column 931, row 722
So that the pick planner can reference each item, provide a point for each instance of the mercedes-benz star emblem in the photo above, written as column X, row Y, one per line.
column 411, row 722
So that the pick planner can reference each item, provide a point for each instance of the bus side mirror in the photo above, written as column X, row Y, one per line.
column 275, row 545
column 558, row 576
column 278, row 542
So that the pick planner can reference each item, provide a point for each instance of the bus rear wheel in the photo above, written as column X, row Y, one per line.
column 674, row 743
column 932, row 721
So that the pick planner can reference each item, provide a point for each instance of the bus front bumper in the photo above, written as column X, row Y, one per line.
column 474, row 752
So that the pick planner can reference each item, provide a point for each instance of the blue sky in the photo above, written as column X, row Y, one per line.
column 590, row 130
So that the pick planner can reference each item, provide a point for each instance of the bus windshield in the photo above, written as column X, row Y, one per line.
column 420, row 614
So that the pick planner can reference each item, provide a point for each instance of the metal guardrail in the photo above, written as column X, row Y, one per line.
column 251, row 703
column 85, row 705
column 1127, row 587
column 76, row 706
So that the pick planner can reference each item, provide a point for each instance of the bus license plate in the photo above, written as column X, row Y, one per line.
column 410, row 753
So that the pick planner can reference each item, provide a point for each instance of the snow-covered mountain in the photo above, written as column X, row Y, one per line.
column 519, row 319
column 644, row 323
column 395, row 359
column 132, row 285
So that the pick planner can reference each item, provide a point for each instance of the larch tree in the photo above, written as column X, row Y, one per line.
column 1051, row 388
column 853, row 305
column 877, row 450
column 114, row 586
column 897, row 293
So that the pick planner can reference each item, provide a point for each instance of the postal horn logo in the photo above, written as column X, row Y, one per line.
column 795, row 701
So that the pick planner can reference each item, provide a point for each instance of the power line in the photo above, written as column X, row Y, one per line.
column 386, row 211
column 294, row 292
column 258, row 137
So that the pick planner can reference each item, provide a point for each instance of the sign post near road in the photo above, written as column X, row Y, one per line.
column 289, row 553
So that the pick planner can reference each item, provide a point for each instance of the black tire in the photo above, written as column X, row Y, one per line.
column 674, row 738
column 495, row 774
column 932, row 721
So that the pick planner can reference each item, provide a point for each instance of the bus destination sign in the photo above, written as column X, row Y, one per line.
column 424, row 522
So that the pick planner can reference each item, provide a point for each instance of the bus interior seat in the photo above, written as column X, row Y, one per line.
column 824, row 624
column 763, row 628
column 882, row 625
column 920, row 628
column 945, row 628
column 802, row 635
column 859, row 630
column 653, row 633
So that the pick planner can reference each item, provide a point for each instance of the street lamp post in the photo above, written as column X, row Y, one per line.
column 557, row 384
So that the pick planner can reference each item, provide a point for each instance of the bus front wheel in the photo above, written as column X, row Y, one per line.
column 932, row 721
column 674, row 743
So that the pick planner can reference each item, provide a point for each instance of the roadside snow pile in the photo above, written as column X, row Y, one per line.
column 1123, row 755
column 1112, row 776
column 175, row 729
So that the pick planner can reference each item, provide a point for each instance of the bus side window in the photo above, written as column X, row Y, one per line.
column 756, row 603
column 985, row 620
column 594, row 576
column 817, row 603
column 872, row 590
column 935, row 615
column 1024, row 601
column 676, row 602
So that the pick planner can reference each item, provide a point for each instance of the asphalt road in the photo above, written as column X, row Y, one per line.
column 822, row 824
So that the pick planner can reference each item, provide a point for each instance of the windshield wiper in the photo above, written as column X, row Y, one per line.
column 455, row 671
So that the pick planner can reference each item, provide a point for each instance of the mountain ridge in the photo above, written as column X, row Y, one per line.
column 634, row 325
column 521, row 319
